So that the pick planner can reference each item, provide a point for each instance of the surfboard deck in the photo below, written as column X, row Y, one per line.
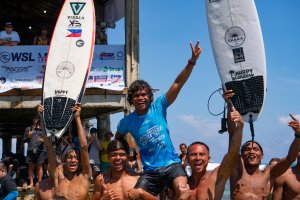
column 238, row 48
column 68, row 64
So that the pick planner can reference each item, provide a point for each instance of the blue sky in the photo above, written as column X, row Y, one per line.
column 167, row 27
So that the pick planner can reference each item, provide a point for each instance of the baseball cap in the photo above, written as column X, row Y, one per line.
column 8, row 24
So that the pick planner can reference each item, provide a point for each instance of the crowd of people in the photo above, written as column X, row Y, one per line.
column 65, row 168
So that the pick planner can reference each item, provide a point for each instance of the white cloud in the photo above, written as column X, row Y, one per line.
column 203, row 126
column 286, row 119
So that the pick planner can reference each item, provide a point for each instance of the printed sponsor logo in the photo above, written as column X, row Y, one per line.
column 79, row 43
column 75, row 17
column 74, row 24
column 4, row 57
column 16, row 69
column 77, row 7
column 242, row 74
column 42, row 58
column 13, row 56
column 61, row 92
column 151, row 134
column 74, row 32
column 235, row 36
column 65, row 70
column 2, row 80
column 120, row 55
column 238, row 55
column 106, row 56
column 102, row 78
column 112, row 69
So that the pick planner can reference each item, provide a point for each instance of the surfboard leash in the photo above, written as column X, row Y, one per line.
column 223, row 119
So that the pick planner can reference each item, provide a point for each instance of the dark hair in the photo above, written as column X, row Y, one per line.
column 251, row 141
column 136, row 86
column 71, row 150
column 182, row 144
column 118, row 144
column 3, row 166
column 274, row 160
column 199, row 143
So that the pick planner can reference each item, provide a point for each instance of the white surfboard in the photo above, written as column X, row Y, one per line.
column 68, row 63
column 238, row 48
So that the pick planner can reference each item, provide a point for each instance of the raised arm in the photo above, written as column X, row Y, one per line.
column 84, row 154
column 48, row 144
column 229, row 160
column 281, row 166
column 184, row 74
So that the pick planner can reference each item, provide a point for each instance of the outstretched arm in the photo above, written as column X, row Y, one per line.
column 48, row 144
column 86, row 170
column 229, row 160
column 281, row 166
column 184, row 74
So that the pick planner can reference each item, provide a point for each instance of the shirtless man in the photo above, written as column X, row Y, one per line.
column 287, row 186
column 73, row 182
column 210, row 184
column 118, row 183
column 247, row 180
column 44, row 190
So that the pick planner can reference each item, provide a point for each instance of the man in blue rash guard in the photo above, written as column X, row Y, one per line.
column 148, row 126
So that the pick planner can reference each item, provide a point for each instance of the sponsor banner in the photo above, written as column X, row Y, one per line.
column 24, row 66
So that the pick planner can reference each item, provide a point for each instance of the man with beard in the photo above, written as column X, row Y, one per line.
column 118, row 183
column 287, row 186
column 247, row 180
column 73, row 182
column 211, row 184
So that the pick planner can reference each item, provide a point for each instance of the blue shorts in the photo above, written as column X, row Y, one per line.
column 154, row 182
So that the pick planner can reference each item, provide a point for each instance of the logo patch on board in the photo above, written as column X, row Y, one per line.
column 238, row 55
column 74, row 24
column 77, row 7
column 235, row 36
column 79, row 43
column 65, row 70
column 242, row 74
column 74, row 32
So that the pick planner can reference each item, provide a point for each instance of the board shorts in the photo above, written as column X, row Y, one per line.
column 33, row 157
column 154, row 182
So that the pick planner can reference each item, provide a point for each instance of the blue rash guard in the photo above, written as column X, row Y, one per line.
column 151, row 134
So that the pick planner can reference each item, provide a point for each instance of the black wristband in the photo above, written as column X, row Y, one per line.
column 297, row 136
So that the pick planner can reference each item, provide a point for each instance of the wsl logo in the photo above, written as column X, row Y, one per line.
column 16, row 57
column 4, row 57
column 77, row 7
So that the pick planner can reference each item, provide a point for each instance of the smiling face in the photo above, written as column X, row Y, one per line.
column 72, row 161
column 141, row 101
column 118, row 160
column 252, row 154
column 198, row 158
column 8, row 29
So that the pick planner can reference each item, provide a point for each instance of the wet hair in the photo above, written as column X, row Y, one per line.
column 199, row 143
column 72, row 150
column 136, row 86
column 183, row 145
column 251, row 141
column 118, row 144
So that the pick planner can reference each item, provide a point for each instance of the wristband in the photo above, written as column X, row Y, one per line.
column 297, row 136
column 192, row 62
